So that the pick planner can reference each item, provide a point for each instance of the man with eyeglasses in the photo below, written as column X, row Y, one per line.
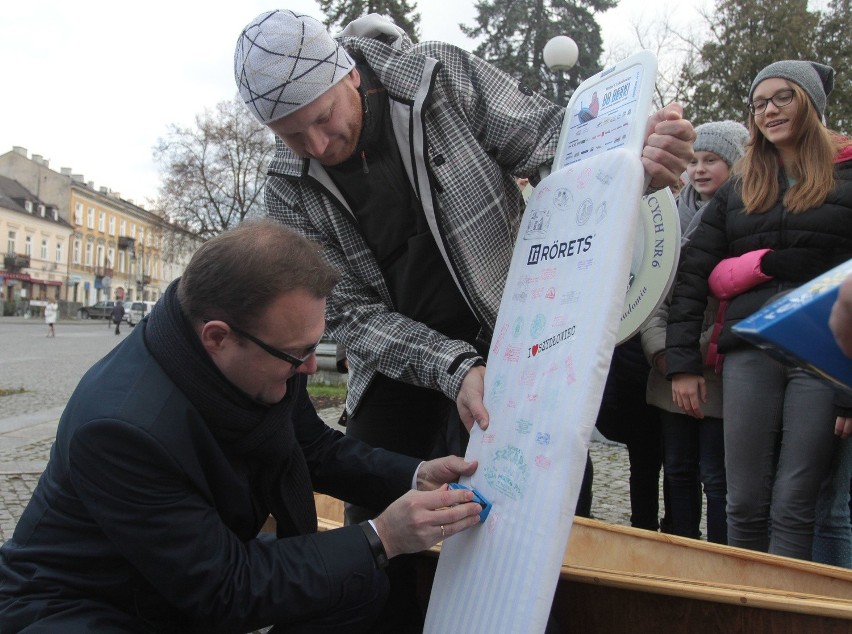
column 177, row 446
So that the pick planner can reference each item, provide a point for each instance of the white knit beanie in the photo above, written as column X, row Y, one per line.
column 285, row 60
column 725, row 138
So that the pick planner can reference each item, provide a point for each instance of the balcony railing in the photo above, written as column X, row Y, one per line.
column 14, row 262
column 126, row 243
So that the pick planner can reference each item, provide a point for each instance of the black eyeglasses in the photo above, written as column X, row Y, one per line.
column 780, row 99
column 275, row 352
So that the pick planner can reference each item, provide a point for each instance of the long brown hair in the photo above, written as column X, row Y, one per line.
column 813, row 170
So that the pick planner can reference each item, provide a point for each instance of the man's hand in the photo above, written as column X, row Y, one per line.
column 688, row 392
column 469, row 401
column 668, row 146
column 840, row 320
column 435, row 473
column 420, row 519
column 660, row 363
column 843, row 427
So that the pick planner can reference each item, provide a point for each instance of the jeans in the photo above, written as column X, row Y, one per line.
column 694, row 454
column 779, row 443
column 833, row 530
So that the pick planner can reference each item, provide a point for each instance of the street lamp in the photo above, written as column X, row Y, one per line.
column 560, row 54
column 140, row 281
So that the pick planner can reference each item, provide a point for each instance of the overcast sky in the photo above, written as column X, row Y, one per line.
column 92, row 84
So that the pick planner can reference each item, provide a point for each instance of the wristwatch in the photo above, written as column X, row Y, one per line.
column 376, row 546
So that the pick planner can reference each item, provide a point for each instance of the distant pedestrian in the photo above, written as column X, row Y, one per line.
column 117, row 316
column 50, row 312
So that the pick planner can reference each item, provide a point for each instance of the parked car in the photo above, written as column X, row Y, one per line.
column 101, row 310
column 137, row 311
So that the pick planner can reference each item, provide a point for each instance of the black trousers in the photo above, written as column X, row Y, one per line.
column 626, row 417
column 417, row 422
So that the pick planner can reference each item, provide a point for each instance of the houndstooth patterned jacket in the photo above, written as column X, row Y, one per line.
column 464, row 130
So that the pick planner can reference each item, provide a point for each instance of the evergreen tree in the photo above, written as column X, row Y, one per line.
column 515, row 32
column 339, row 13
column 746, row 35
column 832, row 48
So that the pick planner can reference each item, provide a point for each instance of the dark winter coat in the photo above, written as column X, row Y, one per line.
column 143, row 518
column 727, row 231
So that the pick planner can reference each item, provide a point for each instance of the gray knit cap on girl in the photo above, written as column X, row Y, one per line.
column 725, row 138
column 814, row 78
column 283, row 61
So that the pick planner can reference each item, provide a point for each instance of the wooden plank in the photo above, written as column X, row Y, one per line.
column 595, row 544
column 669, row 577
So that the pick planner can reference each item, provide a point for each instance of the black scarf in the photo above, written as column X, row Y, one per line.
column 262, row 435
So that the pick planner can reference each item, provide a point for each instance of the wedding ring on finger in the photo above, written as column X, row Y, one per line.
column 443, row 534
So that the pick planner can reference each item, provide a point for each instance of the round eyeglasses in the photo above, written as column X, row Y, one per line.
column 780, row 99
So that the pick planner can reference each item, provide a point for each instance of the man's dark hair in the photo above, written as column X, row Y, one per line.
column 238, row 274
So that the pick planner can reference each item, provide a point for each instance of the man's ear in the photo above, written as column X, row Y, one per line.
column 213, row 336
column 355, row 76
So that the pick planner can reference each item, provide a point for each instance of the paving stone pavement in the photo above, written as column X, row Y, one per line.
column 49, row 369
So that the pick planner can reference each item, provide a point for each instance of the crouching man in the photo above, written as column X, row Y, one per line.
column 176, row 447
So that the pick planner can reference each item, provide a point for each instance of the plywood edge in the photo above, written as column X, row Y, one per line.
column 828, row 586
column 718, row 593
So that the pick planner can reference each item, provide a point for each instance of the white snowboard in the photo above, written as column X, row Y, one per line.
column 557, row 327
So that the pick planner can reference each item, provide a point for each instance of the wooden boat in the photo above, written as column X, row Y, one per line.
column 620, row 579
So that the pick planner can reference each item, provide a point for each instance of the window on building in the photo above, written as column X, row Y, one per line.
column 41, row 210
column 75, row 253
column 122, row 227
column 28, row 206
column 121, row 256
column 28, row 245
column 112, row 225
column 100, row 255
column 89, row 253
column 102, row 221
column 11, row 247
column 78, row 214
column 132, row 230
column 43, row 248
column 90, row 218
column 110, row 257
column 58, row 252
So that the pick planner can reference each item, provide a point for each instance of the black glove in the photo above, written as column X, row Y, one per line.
column 796, row 264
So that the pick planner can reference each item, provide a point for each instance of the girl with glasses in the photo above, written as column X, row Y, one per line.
column 784, row 218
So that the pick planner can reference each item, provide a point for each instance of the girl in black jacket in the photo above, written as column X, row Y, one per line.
column 791, row 199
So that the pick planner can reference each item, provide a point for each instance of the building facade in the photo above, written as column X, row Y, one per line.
column 116, row 249
column 36, row 241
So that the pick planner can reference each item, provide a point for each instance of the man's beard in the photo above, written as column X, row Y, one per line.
column 353, row 131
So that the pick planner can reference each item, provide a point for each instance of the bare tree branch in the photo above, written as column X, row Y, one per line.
column 213, row 173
